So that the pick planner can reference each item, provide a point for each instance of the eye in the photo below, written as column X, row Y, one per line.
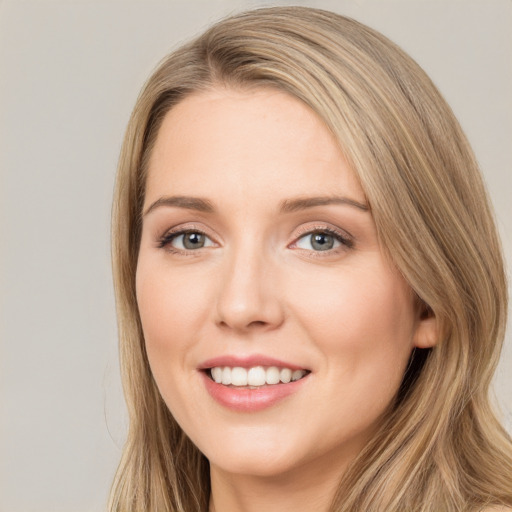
column 324, row 240
column 186, row 240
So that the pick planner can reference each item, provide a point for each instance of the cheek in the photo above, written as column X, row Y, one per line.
column 170, row 302
column 363, row 322
column 169, row 311
column 363, row 327
column 366, row 299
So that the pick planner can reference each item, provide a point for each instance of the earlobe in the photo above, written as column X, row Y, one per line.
column 427, row 329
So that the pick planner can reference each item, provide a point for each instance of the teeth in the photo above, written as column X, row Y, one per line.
column 255, row 376
column 239, row 376
column 217, row 374
column 272, row 375
column 226, row 376
column 285, row 375
column 297, row 374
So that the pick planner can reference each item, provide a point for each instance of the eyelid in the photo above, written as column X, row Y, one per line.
column 320, row 227
column 346, row 239
column 164, row 241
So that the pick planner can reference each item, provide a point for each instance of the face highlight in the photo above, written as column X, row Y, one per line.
column 276, row 330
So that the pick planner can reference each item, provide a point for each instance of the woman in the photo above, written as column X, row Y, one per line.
column 310, row 287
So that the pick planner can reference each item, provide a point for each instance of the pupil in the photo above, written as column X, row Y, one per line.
column 322, row 241
column 193, row 240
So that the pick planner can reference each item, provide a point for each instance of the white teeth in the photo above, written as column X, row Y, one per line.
column 255, row 376
column 217, row 374
column 272, row 376
column 239, row 376
column 226, row 376
column 285, row 375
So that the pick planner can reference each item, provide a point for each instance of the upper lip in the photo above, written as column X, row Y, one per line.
column 248, row 361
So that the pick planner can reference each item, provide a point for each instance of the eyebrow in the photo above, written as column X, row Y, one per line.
column 287, row 206
column 189, row 203
column 301, row 203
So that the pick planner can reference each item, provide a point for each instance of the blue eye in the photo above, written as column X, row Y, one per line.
column 186, row 240
column 321, row 241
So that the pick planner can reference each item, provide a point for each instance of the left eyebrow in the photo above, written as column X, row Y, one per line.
column 301, row 203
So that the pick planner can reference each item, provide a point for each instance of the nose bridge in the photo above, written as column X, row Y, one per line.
column 248, row 296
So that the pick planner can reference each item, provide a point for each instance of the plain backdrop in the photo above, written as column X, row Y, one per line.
column 70, row 72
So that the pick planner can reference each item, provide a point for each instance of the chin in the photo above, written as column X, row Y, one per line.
column 253, row 455
column 254, row 464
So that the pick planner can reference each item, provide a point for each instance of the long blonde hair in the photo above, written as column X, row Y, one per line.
column 440, row 448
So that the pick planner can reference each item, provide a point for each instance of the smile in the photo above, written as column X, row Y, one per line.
column 251, row 383
column 254, row 377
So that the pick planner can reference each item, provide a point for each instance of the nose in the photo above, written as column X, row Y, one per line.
column 249, row 296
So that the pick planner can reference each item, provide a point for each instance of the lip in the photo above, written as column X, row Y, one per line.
column 250, row 400
column 244, row 399
column 247, row 362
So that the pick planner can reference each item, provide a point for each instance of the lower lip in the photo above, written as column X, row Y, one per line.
column 250, row 400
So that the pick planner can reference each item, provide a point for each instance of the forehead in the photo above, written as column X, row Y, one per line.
column 254, row 141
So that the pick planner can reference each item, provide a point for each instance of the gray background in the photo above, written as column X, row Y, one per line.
column 70, row 72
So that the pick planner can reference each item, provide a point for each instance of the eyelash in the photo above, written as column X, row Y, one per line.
column 346, row 241
column 165, row 241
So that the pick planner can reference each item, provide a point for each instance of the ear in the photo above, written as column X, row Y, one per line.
column 426, row 334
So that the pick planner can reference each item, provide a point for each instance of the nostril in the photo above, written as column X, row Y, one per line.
column 257, row 323
column 251, row 325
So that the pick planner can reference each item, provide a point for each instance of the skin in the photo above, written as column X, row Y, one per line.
column 258, row 286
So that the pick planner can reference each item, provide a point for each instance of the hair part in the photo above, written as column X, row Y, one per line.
column 440, row 446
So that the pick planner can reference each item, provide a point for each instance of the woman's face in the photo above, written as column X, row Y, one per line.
column 259, row 253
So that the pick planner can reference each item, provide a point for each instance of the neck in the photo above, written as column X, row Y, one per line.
column 298, row 490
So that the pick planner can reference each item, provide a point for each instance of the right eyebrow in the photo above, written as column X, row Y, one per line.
column 189, row 203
